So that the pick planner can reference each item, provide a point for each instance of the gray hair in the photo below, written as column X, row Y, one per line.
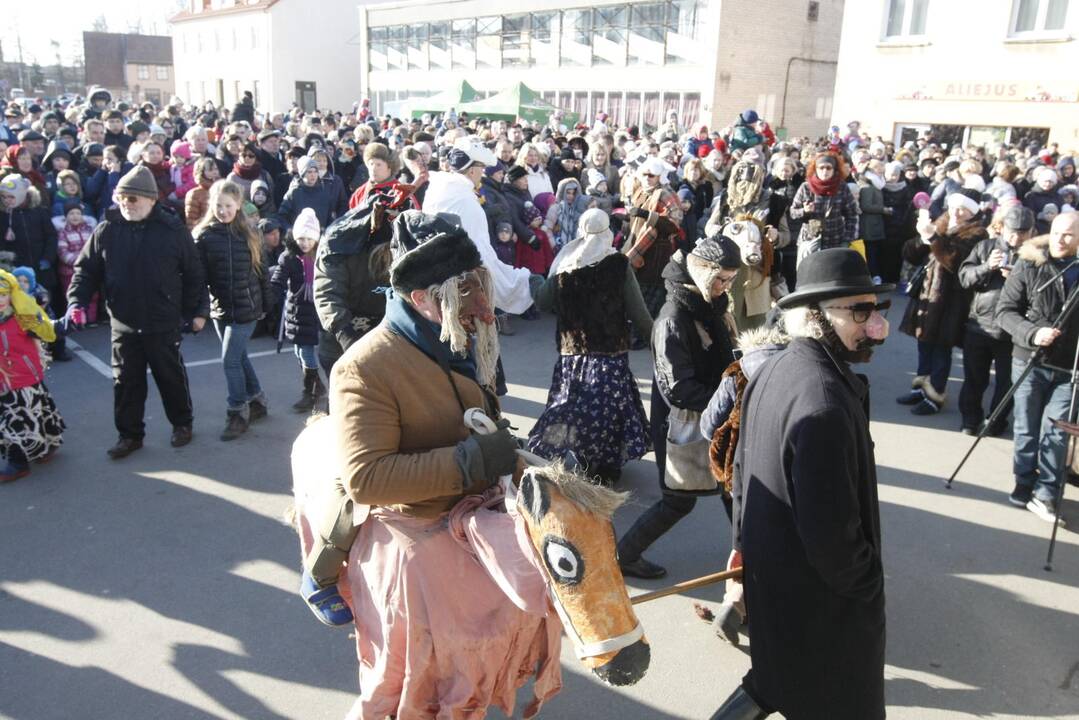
column 803, row 322
column 448, row 296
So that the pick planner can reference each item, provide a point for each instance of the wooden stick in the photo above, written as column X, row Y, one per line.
column 687, row 585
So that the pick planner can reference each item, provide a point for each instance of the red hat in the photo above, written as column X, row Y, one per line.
column 703, row 149
column 720, row 145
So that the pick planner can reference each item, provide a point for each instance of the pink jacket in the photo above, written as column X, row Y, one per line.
column 20, row 357
column 183, row 178
column 70, row 240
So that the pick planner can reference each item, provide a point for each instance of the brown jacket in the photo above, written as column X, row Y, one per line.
column 398, row 424
column 196, row 201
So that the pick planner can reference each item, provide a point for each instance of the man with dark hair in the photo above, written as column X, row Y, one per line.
column 806, row 514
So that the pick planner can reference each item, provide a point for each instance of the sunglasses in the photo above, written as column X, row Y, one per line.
column 860, row 312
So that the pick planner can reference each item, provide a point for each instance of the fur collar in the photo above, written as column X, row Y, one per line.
column 1035, row 250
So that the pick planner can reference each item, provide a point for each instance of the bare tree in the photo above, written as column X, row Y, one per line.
column 100, row 24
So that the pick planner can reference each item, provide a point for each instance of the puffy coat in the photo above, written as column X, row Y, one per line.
column 495, row 206
column 319, row 197
column 937, row 312
column 149, row 270
column 1022, row 309
column 33, row 240
column 516, row 200
column 1036, row 200
column 690, row 342
column 301, row 320
column 238, row 293
column 984, row 285
column 20, row 357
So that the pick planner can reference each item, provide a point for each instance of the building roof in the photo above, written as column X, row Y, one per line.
column 107, row 54
column 241, row 6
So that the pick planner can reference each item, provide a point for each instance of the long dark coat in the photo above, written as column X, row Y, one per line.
column 807, row 521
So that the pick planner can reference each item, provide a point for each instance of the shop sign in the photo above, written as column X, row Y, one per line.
column 991, row 91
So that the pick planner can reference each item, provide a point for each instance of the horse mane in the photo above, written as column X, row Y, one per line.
column 580, row 491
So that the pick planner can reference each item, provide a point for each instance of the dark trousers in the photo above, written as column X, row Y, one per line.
column 889, row 254
column 980, row 353
column 872, row 256
column 132, row 353
column 671, row 507
column 935, row 362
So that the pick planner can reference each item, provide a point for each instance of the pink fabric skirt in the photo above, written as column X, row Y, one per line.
column 436, row 637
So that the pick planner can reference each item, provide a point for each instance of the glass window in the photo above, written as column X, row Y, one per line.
column 376, row 48
column 576, row 37
column 515, row 41
column 463, row 44
column 162, row 72
column 647, row 30
column 143, row 72
column 1056, row 14
column 489, row 42
column 254, row 38
column 896, row 10
column 1026, row 15
column 684, row 30
column 439, row 43
column 609, row 35
column 397, row 47
column 544, row 39
column 917, row 17
column 417, row 46
column 906, row 18
column 1035, row 16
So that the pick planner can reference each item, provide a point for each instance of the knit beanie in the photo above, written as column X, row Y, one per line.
column 304, row 164
column 138, row 181
column 493, row 169
column 306, row 225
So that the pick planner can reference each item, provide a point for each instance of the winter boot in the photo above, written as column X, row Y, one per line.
column 16, row 466
column 235, row 425
column 915, row 395
column 318, row 390
column 932, row 403
column 257, row 408
column 307, row 399
column 740, row 706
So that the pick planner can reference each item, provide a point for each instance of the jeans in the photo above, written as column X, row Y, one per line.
column 243, row 384
column 980, row 353
column 307, row 356
column 1039, row 447
column 935, row 361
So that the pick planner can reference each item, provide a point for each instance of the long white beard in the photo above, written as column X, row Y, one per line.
column 485, row 340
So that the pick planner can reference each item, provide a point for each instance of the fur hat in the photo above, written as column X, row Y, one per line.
column 429, row 250
column 516, row 172
column 138, row 181
column 965, row 198
column 380, row 151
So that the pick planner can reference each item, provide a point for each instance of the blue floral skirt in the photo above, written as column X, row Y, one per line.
column 593, row 410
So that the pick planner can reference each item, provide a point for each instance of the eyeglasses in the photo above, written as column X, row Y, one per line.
column 725, row 281
column 861, row 311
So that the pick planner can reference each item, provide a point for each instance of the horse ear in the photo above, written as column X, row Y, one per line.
column 533, row 496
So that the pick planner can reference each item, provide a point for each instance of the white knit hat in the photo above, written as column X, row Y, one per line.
column 595, row 177
column 306, row 225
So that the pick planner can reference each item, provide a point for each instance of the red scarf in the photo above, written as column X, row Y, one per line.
column 252, row 172
column 824, row 187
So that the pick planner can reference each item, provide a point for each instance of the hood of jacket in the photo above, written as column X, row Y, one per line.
column 759, row 344
column 681, row 289
column 1035, row 250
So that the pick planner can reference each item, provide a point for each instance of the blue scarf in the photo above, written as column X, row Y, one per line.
column 409, row 324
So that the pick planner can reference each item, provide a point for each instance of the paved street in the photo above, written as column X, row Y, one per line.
column 163, row 586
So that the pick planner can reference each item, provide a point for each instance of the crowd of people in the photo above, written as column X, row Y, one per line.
column 685, row 240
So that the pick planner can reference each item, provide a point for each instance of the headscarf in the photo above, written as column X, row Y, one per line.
column 28, row 314
column 593, row 245
column 569, row 214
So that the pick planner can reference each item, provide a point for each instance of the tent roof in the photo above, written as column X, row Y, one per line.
column 452, row 97
column 518, row 100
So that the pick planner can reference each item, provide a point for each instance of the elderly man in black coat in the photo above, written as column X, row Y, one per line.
column 806, row 515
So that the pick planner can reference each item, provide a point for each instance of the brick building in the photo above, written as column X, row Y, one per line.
column 131, row 67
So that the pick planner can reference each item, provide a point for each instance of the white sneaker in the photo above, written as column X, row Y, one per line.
column 1044, row 509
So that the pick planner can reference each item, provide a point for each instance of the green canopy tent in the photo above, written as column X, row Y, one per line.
column 453, row 97
column 516, row 101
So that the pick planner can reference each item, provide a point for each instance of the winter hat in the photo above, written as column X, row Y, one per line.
column 832, row 273
column 1045, row 172
column 894, row 169
column 468, row 151
column 72, row 204
column 491, row 170
column 1049, row 211
column 260, row 185
column 875, row 146
column 28, row 314
column 531, row 212
column 138, row 181
column 24, row 271
column 516, row 172
column 749, row 117
column 429, row 250
column 595, row 177
column 1019, row 218
column 306, row 225
column 974, row 182
column 56, row 149
column 567, row 154
column 156, row 129
column 305, row 163
column 379, row 151
column 180, row 149
column 17, row 186
column 594, row 242
column 685, row 194
column 719, row 250
column 503, row 227
column 653, row 166
column 965, row 198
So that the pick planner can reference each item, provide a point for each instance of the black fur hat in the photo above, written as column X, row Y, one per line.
column 429, row 250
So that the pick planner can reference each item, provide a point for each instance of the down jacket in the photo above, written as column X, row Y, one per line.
column 301, row 321
column 239, row 293
column 985, row 285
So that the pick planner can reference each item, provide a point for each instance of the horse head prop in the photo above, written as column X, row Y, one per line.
column 754, row 241
column 568, row 520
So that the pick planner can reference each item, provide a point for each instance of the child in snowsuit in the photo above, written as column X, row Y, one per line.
column 73, row 230
column 294, row 279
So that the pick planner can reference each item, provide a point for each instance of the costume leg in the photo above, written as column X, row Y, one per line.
column 332, row 537
column 170, row 375
column 128, row 384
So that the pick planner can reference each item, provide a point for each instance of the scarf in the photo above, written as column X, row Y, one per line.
column 583, row 252
column 402, row 320
column 252, row 172
column 899, row 186
column 822, row 187
column 873, row 179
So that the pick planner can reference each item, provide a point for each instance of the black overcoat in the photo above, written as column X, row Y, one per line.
column 807, row 520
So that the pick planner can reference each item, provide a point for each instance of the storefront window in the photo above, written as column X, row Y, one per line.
column 609, row 35
column 489, row 42
column 576, row 38
column 647, row 33
column 515, row 40
column 463, row 44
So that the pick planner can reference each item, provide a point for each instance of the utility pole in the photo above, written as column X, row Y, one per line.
column 22, row 79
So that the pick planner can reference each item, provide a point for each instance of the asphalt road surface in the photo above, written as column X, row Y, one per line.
column 164, row 585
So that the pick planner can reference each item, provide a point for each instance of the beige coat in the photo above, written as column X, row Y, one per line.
column 398, row 423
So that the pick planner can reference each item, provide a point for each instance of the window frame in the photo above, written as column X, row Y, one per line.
column 160, row 70
column 142, row 72
column 1039, row 32
column 905, row 35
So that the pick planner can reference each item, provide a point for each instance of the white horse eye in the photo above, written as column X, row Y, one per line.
column 563, row 561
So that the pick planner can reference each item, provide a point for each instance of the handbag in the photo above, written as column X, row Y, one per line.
column 686, row 469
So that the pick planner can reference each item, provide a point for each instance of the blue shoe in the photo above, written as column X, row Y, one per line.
column 326, row 603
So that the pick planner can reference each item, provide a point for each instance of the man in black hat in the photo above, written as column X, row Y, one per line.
column 806, row 515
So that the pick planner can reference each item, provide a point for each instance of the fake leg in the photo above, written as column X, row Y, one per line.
column 332, row 538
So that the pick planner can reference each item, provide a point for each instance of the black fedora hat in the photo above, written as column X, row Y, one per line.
column 838, row 272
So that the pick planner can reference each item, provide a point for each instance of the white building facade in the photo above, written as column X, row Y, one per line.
column 968, row 72
column 283, row 51
column 708, row 60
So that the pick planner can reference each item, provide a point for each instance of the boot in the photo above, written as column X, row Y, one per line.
column 318, row 390
column 16, row 466
column 739, row 706
column 307, row 398
column 235, row 425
